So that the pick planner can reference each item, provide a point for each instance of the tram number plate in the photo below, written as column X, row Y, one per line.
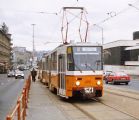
column 89, row 90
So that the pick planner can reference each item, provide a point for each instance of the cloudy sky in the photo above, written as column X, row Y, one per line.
column 116, row 17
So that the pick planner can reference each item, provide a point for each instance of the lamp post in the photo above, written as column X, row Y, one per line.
column 101, row 32
column 33, row 51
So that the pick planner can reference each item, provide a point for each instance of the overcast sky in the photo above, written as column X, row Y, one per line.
column 20, row 14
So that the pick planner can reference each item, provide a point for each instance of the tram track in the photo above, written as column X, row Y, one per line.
column 97, row 100
column 85, row 108
column 85, row 112
column 122, row 92
column 126, row 94
column 131, row 99
column 102, row 103
column 118, row 94
column 69, row 106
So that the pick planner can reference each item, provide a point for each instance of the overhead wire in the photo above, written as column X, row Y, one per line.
column 77, row 16
column 111, row 15
column 71, row 20
column 35, row 12
column 57, row 13
column 133, row 6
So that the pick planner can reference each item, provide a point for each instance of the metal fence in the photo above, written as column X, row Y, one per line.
column 19, row 111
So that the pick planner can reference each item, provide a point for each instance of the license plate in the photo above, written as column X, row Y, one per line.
column 89, row 90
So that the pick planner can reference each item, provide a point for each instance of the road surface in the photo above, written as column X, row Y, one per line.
column 10, row 90
column 133, row 85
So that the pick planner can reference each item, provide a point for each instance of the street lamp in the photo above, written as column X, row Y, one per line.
column 133, row 6
column 101, row 32
column 33, row 51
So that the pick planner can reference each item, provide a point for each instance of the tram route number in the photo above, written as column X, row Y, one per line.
column 89, row 90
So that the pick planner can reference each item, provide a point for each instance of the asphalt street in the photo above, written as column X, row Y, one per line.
column 133, row 85
column 10, row 90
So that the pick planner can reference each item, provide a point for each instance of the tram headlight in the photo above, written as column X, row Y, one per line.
column 98, row 82
column 77, row 83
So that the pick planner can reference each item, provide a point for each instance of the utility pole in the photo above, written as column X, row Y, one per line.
column 33, row 51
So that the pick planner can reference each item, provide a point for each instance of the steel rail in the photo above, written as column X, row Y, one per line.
column 123, row 95
column 97, row 100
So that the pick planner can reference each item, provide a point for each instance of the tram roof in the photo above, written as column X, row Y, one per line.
column 80, row 44
column 75, row 44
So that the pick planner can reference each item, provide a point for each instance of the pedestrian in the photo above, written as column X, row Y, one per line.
column 33, row 74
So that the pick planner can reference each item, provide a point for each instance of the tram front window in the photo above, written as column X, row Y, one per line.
column 85, row 59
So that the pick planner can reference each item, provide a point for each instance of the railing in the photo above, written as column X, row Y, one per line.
column 19, row 112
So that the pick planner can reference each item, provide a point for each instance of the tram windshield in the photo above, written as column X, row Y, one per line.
column 84, row 58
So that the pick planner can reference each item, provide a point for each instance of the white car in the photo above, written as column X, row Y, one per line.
column 10, row 73
column 19, row 74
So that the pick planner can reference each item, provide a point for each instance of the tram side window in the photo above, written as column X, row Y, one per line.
column 70, row 62
column 54, row 61
column 43, row 63
column 47, row 63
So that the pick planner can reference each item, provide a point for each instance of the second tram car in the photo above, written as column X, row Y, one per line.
column 74, row 69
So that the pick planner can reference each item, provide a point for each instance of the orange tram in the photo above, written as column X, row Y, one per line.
column 74, row 69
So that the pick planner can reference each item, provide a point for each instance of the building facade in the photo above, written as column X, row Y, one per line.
column 21, row 57
column 5, row 49
column 122, row 55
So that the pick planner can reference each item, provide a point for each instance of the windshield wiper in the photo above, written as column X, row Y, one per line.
column 90, row 67
column 98, row 63
column 78, row 67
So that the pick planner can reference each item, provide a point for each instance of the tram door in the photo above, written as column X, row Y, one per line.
column 61, row 71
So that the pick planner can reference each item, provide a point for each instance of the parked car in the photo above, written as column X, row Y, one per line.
column 118, row 77
column 10, row 73
column 106, row 74
column 19, row 74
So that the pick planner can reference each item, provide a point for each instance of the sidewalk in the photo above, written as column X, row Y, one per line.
column 40, row 106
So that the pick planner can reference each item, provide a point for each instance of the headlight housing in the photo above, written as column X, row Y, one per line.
column 77, row 83
column 98, row 82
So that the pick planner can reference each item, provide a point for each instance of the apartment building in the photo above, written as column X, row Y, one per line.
column 5, row 49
